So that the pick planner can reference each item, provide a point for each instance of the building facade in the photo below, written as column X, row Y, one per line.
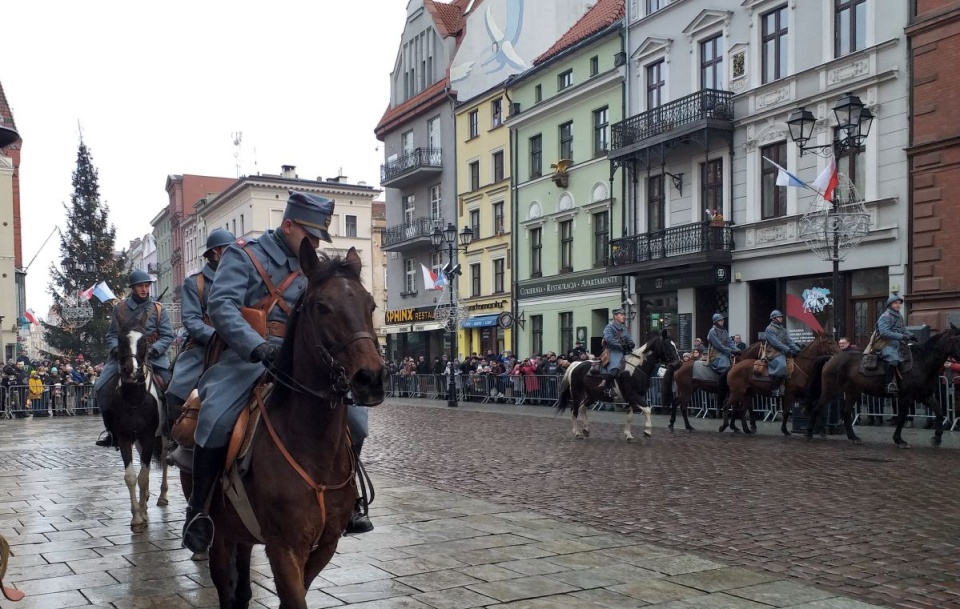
column 707, row 228
column 566, row 199
column 934, row 161
column 12, row 273
column 164, row 266
column 378, row 268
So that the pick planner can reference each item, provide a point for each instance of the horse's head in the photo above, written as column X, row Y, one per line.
column 823, row 344
column 664, row 350
column 132, row 350
column 336, row 324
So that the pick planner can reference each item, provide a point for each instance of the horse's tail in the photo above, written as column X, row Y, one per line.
column 666, row 388
column 157, row 456
column 565, row 390
column 815, row 382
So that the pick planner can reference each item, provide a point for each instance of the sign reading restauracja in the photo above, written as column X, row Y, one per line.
column 566, row 284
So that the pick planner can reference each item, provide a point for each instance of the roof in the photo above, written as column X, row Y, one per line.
column 378, row 210
column 601, row 15
column 8, row 128
column 427, row 98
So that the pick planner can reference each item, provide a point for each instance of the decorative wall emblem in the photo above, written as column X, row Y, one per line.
column 565, row 202
column 771, row 98
column 848, row 71
column 815, row 300
column 535, row 211
column 739, row 64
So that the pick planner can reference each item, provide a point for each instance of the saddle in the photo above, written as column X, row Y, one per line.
column 760, row 372
column 872, row 365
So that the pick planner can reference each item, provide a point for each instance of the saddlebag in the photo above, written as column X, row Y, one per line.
column 186, row 425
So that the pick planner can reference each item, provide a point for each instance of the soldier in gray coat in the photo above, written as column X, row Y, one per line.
column 159, row 336
column 193, row 304
column 779, row 346
column 722, row 347
column 891, row 330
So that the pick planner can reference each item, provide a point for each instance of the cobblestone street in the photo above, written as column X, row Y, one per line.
column 498, row 506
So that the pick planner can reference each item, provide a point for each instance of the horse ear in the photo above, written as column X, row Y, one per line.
column 664, row 335
column 354, row 262
column 308, row 257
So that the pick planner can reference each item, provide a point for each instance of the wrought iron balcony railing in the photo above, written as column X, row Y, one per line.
column 702, row 105
column 674, row 241
column 409, row 162
column 419, row 228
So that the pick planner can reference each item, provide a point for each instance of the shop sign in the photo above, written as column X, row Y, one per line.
column 663, row 283
column 486, row 306
column 566, row 285
column 406, row 316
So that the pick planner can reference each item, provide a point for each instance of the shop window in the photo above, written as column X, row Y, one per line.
column 536, row 334
column 566, row 332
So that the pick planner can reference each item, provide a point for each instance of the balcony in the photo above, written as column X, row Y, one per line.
column 409, row 234
column 411, row 167
column 676, row 120
column 689, row 244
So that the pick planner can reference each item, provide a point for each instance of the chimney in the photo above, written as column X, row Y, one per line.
column 289, row 171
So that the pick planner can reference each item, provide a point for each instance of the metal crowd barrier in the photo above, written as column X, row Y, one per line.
column 54, row 400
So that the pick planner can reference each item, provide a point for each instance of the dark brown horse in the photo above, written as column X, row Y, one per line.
column 686, row 385
column 580, row 390
column 137, row 407
column 743, row 384
column 840, row 376
column 300, row 480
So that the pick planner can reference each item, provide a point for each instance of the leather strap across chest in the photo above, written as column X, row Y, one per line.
column 274, row 293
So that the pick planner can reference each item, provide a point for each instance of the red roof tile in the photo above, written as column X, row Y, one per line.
column 422, row 101
column 602, row 14
column 447, row 17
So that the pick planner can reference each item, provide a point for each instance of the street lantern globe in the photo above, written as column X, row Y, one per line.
column 436, row 237
column 801, row 123
column 450, row 233
column 466, row 236
column 847, row 111
column 68, row 264
column 863, row 129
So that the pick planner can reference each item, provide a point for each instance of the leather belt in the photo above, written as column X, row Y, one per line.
column 276, row 328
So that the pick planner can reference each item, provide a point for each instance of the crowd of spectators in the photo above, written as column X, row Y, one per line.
column 47, row 387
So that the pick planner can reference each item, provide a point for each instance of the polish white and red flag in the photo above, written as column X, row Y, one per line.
column 827, row 181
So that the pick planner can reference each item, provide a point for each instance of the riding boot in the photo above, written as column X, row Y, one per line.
column 359, row 522
column 198, row 528
column 776, row 384
column 107, row 438
column 173, row 410
column 890, row 379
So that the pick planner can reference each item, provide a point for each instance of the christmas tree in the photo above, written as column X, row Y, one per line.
column 87, row 258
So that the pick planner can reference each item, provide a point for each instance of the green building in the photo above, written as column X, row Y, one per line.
column 565, row 202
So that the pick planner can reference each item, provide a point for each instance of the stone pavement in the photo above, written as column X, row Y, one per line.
column 64, row 508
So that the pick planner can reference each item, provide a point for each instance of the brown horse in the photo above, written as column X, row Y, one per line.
column 744, row 384
column 300, row 481
column 686, row 385
column 840, row 376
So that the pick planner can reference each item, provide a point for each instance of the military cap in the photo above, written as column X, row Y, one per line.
column 312, row 212
column 618, row 312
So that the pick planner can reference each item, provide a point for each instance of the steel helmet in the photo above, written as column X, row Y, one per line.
column 776, row 313
column 218, row 238
column 717, row 317
column 894, row 298
column 139, row 276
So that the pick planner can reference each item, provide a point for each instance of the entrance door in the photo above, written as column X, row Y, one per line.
column 865, row 313
column 763, row 300
column 659, row 313
column 710, row 300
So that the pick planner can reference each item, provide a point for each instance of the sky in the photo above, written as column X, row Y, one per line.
column 160, row 88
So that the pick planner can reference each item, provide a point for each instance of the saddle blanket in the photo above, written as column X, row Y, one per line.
column 703, row 372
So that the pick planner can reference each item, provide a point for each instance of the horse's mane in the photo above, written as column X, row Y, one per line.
column 331, row 266
column 924, row 349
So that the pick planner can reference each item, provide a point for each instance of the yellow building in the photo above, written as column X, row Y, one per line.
column 483, row 205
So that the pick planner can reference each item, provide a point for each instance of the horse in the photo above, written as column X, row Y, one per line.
column 300, row 481
column 742, row 382
column 631, row 384
column 137, row 406
column 687, row 383
column 840, row 376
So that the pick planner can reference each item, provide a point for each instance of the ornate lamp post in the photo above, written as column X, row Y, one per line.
column 831, row 231
column 454, row 313
column 79, row 312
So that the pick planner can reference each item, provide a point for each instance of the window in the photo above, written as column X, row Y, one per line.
column 655, row 84
column 498, row 275
column 655, row 204
column 436, row 212
column 594, row 65
column 564, row 80
column 410, row 277
column 406, row 144
column 601, row 131
column 474, row 280
column 498, row 218
column 566, row 246
column 475, row 223
column 496, row 113
column 536, row 334
column 436, row 262
column 774, row 39
column 850, row 26
column 852, row 165
column 538, row 94
column 711, row 185
column 773, row 199
column 351, row 226
column 243, row 230
column 433, row 133
column 566, row 140
column 536, row 250
column 475, row 175
column 566, row 332
column 234, row 231
column 711, row 63
column 409, row 209
column 474, row 118
column 655, row 5
column 498, row 166
column 601, row 238
column 536, row 156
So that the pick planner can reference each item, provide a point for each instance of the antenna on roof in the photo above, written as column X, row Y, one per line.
column 237, row 139
column 256, row 168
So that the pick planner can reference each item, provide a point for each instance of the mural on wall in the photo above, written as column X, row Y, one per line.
column 501, row 51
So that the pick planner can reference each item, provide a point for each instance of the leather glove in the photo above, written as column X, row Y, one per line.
column 910, row 337
column 152, row 353
column 265, row 353
column 114, row 352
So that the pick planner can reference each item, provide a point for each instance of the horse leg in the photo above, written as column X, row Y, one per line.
column 162, row 499
column 287, row 565
column 933, row 404
column 576, row 423
column 627, row 435
column 903, row 409
column 647, row 420
column 750, row 428
column 786, row 407
column 673, row 415
column 130, row 479
column 143, row 479
column 242, row 592
column 725, row 414
column 846, row 412
column 222, row 570
column 684, row 405
column 585, row 425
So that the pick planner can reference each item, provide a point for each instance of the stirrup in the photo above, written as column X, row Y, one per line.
column 198, row 533
column 106, row 441
column 892, row 387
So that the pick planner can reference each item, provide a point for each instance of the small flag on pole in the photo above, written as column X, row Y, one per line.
column 30, row 316
column 103, row 292
column 828, row 180
column 430, row 280
column 785, row 178
column 88, row 293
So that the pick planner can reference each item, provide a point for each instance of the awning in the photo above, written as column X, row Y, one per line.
column 481, row 321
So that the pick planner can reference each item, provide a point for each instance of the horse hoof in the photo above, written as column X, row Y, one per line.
column 753, row 429
column 586, row 433
column 670, row 426
column 903, row 445
column 935, row 441
column 199, row 557
column 856, row 441
column 785, row 433
column 162, row 501
column 690, row 428
column 138, row 528
column 648, row 433
column 628, row 438
column 578, row 435
column 722, row 429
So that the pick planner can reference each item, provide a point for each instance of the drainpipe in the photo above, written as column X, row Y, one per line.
column 514, row 239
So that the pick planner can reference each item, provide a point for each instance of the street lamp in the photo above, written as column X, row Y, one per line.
column 831, row 233
column 453, row 314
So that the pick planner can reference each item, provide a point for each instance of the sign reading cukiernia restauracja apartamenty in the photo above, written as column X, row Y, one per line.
column 565, row 284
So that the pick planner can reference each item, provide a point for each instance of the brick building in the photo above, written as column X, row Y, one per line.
column 934, row 160
column 12, row 273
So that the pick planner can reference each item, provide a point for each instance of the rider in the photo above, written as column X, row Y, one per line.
column 159, row 337
column 226, row 386
column 779, row 346
column 722, row 346
column 194, row 294
column 890, row 328
column 617, row 339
